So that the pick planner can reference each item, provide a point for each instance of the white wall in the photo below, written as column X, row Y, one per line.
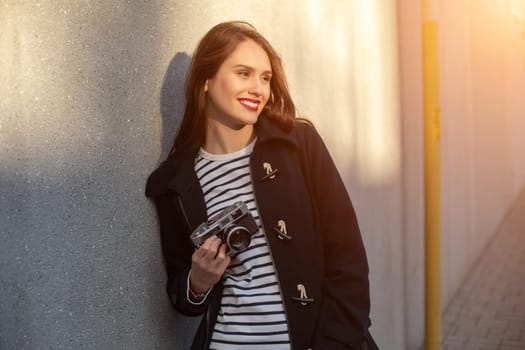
column 482, row 78
column 410, row 66
column 482, row 71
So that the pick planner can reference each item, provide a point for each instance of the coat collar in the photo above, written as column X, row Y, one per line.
column 178, row 174
column 267, row 130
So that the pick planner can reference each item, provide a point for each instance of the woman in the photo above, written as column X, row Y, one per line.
column 302, row 282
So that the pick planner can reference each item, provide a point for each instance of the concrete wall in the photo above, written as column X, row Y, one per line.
column 482, row 80
column 410, row 64
column 90, row 96
column 483, row 73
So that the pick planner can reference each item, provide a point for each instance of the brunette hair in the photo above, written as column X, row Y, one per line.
column 213, row 49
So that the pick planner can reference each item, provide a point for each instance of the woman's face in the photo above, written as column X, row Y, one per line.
column 239, row 90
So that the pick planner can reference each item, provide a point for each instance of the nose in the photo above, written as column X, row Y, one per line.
column 257, row 87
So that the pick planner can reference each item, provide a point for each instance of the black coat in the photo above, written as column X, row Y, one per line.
column 325, row 254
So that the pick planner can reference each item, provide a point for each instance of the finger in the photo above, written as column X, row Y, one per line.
column 210, row 241
column 223, row 261
column 198, row 254
column 221, row 254
column 212, row 250
column 205, row 246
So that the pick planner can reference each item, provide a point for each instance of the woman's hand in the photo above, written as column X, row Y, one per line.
column 208, row 263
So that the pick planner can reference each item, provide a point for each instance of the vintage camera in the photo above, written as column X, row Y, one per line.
column 234, row 225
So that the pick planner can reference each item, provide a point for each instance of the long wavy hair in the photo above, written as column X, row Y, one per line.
column 213, row 49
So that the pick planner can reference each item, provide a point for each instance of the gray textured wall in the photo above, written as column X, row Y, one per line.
column 90, row 93
column 84, row 90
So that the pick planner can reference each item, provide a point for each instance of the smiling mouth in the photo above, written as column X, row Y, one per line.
column 252, row 105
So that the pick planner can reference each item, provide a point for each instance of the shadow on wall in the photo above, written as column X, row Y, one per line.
column 172, row 100
column 172, row 108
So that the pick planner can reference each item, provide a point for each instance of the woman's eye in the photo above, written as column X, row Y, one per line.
column 244, row 73
column 266, row 78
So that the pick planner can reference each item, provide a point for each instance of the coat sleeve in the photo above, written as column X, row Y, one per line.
column 177, row 248
column 344, row 315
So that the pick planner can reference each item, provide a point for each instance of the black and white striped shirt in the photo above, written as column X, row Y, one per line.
column 251, row 315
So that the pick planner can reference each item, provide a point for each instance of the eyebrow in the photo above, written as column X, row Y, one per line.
column 250, row 68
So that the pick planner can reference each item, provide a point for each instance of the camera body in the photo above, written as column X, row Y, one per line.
column 234, row 225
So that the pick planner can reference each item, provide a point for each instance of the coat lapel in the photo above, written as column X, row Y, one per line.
column 191, row 199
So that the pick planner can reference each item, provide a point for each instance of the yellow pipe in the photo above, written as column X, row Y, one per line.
column 432, row 181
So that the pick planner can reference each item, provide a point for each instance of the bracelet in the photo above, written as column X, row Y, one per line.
column 196, row 296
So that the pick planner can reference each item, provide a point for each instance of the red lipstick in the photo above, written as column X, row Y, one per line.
column 250, row 104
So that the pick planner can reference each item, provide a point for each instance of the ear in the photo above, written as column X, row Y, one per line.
column 206, row 86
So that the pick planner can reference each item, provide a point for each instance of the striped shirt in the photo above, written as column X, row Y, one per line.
column 251, row 315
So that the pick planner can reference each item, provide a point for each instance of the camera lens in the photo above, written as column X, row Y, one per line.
column 237, row 237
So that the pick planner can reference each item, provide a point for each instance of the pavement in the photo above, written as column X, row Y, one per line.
column 488, row 312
